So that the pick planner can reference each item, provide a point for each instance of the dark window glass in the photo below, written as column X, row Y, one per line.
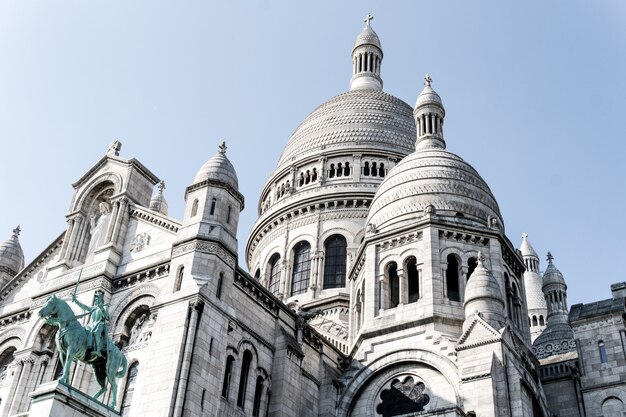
column 335, row 262
column 394, row 284
column 301, row 268
column 414, row 279
column 258, row 391
column 213, row 203
column 471, row 266
column 220, row 282
column 602, row 350
column 227, row 374
column 452, row 278
column 274, row 272
column 243, row 379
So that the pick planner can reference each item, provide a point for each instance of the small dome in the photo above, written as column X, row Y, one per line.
column 432, row 180
column 158, row 202
column 552, row 274
column 482, row 285
column 367, row 37
column 11, row 254
column 428, row 95
column 218, row 168
column 526, row 248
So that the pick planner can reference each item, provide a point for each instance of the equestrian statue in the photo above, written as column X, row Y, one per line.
column 89, row 344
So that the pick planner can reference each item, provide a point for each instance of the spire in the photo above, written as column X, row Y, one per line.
column 555, row 292
column 367, row 56
column 158, row 202
column 429, row 114
column 531, row 259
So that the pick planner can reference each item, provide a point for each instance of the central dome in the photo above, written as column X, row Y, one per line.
column 366, row 119
column 432, row 179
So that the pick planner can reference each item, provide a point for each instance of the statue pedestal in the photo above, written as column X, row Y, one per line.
column 55, row 399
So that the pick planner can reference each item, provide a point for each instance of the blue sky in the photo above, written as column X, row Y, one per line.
column 534, row 92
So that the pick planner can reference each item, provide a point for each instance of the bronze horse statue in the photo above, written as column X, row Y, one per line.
column 75, row 342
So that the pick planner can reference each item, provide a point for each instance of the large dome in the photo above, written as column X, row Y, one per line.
column 364, row 119
column 432, row 179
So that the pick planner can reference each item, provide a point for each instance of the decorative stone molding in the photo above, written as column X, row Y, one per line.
column 14, row 319
column 398, row 241
column 463, row 237
column 554, row 348
column 14, row 332
column 254, row 289
column 152, row 218
column 140, row 241
column 204, row 247
column 138, row 277
column 148, row 291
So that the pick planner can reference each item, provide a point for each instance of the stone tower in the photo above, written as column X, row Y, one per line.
column 537, row 310
column 11, row 258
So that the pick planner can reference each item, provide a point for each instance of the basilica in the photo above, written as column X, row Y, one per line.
column 381, row 283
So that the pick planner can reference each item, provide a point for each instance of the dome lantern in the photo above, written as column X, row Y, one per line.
column 429, row 114
column 367, row 56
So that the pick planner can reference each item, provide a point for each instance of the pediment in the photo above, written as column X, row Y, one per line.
column 478, row 333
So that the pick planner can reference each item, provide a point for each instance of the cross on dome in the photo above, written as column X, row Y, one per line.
column 549, row 257
column 427, row 80
column 161, row 185
column 524, row 235
column 222, row 148
column 480, row 258
column 368, row 19
column 17, row 231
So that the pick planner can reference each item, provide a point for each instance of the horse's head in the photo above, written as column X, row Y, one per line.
column 50, row 309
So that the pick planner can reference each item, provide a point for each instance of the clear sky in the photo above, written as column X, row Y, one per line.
column 534, row 92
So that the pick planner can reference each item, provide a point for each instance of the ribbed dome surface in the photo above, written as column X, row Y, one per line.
column 534, row 293
column 357, row 119
column 527, row 249
column 431, row 176
column 483, row 285
column 553, row 275
column 367, row 37
column 11, row 255
column 218, row 168
column 159, row 204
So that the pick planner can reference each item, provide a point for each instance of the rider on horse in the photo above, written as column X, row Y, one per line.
column 99, row 318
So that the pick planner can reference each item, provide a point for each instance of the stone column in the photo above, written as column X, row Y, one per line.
column 403, row 287
column 123, row 211
column 113, row 222
column 196, row 308
column 17, row 373
column 20, row 390
column 66, row 239
column 356, row 168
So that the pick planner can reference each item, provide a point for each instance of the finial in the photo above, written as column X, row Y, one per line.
column 161, row 186
column 114, row 148
column 368, row 19
column 427, row 80
column 17, row 231
column 524, row 235
column 480, row 258
column 222, row 148
column 550, row 258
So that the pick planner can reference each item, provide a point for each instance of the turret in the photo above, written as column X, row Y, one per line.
column 429, row 114
column 483, row 295
column 537, row 311
column 11, row 257
column 158, row 202
column 367, row 56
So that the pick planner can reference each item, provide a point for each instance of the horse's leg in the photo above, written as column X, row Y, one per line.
column 100, row 373
column 67, row 365
column 112, row 368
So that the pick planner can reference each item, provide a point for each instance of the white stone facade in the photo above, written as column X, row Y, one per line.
column 381, row 283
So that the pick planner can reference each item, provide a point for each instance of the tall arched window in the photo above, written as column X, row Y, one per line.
column 366, row 169
column 129, row 389
column 413, row 279
column 509, row 296
column 227, row 375
column 452, row 278
column 301, row 268
column 230, row 209
column 391, row 272
column 471, row 266
column 213, row 203
column 335, row 262
column 6, row 359
column 274, row 273
column 243, row 379
column 257, row 274
column 258, row 391
column 179, row 278
column 220, row 283
column 194, row 207
column 602, row 351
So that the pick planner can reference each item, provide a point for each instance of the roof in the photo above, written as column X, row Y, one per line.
column 596, row 309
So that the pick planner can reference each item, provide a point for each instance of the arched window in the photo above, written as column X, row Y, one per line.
column 230, row 209
column 314, row 176
column 471, row 266
column 220, row 282
column 381, row 170
column 194, row 208
column 346, row 169
column 129, row 389
column 339, row 170
column 358, row 306
column 374, row 171
column 413, row 279
column 301, row 268
column 391, row 272
column 228, row 370
column 257, row 274
column 602, row 350
column 452, row 278
column 366, row 169
column 179, row 278
column 331, row 174
column 213, row 203
column 5, row 360
column 243, row 379
column 541, row 321
column 301, row 181
column 274, row 273
column 509, row 296
column 258, row 391
column 335, row 262
column 535, row 322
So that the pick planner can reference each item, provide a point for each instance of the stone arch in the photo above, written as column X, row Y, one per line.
column 17, row 333
column 393, row 362
column 612, row 407
column 138, row 308
column 412, row 251
column 95, row 186
column 347, row 234
column 599, row 398
column 145, row 290
column 304, row 237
